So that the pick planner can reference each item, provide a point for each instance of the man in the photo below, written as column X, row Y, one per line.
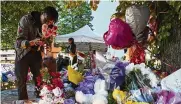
column 72, row 51
column 26, row 46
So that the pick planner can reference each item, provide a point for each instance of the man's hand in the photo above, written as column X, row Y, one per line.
column 35, row 42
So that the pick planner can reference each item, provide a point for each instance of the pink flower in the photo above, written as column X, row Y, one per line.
column 44, row 27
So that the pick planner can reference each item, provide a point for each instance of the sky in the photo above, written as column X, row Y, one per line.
column 102, row 19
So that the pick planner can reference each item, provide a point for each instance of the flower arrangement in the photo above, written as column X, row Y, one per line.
column 51, row 87
column 48, row 32
column 138, row 76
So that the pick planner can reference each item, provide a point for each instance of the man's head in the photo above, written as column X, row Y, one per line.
column 49, row 16
column 71, row 40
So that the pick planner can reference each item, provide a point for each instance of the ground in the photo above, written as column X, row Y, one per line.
column 9, row 96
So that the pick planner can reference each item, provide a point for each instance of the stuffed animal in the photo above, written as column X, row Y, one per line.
column 100, row 96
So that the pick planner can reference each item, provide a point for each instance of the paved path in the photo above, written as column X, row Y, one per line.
column 8, row 96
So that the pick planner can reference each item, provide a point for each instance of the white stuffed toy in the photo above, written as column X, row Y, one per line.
column 83, row 98
column 100, row 87
column 101, row 94
column 99, row 99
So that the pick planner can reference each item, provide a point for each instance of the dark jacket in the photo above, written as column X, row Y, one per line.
column 29, row 28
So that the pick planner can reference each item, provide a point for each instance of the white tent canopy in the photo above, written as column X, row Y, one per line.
column 84, row 38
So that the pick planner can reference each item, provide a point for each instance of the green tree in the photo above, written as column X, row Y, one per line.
column 72, row 19
column 11, row 12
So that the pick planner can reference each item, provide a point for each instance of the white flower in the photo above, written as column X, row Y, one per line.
column 153, row 79
column 57, row 92
column 145, row 71
column 140, row 66
column 44, row 91
column 129, row 68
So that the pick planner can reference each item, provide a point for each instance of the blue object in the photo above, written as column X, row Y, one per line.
column 69, row 101
column 4, row 77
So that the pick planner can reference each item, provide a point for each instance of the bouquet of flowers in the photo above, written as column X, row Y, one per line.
column 141, row 75
column 138, row 81
column 48, row 32
column 51, row 87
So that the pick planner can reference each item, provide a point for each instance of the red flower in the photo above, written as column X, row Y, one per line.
column 39, row 80
column 63, row 95
column 55, row 28
column 44, row 30
column 44, row 83
column 57, row 82
column 54, row 34
column 50, row 87
column 49, row 32
column 55, row 74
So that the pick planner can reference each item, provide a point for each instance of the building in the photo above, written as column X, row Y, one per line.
column 7, row 55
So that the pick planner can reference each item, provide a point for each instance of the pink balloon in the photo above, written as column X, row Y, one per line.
column 119, row 34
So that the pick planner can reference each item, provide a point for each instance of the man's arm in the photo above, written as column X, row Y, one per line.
column 23, row 31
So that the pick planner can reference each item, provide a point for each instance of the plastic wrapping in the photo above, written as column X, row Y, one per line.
column 114, row 74
column 172, row 82
column 117, row 75
column 168, row 97
column 142, row 95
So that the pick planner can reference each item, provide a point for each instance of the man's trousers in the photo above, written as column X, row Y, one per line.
column 32, row 60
